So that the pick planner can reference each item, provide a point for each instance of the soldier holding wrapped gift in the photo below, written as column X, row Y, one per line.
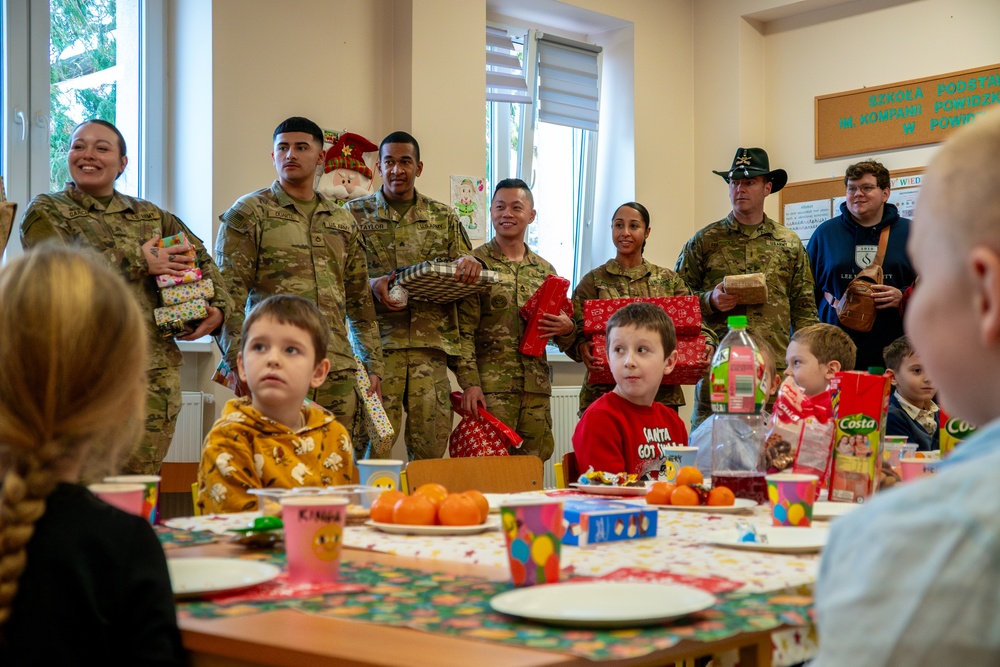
column 291, row 239
column 127, row 232
column 420, row 339
column 513, row 386
column 748, row 242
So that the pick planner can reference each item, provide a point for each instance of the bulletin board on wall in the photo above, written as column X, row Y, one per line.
column 806, row 204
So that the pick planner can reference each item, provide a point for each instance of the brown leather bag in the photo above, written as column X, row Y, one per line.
column 856, row 309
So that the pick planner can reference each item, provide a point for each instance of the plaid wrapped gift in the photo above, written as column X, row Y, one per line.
column 202, row 289
column 548, row 299
column 377, row 424
column 170, row 320
column 685, row 311
column 177, row 240
column 189, row 276
column 687, row 370
column 486, row 436
column 435, row 282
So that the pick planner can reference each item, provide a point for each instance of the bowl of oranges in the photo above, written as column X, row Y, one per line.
column 431, row 510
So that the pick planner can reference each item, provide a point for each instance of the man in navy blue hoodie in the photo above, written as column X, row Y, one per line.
column 842, row 246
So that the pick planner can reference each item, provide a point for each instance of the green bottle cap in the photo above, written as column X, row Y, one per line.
column 737, row 321
column 876, row 370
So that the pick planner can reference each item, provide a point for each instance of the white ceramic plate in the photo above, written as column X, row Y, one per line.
column 609, row 490
column 780, row 539
column 603, row 603
column 406, row 529
column 198, row 576
column 823, row 510
column 741, row 505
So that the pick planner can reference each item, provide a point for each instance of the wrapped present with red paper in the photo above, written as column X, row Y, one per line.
column 685, row 311
column 549, row 299
column 485, row 436
column 689, row 368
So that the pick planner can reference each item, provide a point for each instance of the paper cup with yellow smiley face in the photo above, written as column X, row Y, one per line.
column 314, row 529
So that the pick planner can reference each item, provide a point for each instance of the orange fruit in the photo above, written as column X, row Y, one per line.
column 481, row 503
column 684, row 495
column 414, row 511
column 689, row 475
column 658, row 493
column 433, row 491
column 458, row 509
column 381, row 510
column 721, row 496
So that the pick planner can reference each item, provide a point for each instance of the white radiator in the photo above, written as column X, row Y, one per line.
column 565, row 404
column 190, row 430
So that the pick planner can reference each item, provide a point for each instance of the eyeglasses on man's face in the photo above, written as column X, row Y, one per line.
column 865, row 189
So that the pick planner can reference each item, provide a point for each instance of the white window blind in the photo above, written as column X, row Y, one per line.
column 504, row 74
column 569, row 76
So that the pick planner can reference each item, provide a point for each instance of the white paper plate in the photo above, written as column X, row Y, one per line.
column 823, row 510
column 741, row 505
column 198, row 576
column 406, row 529
column 496, row 499
column 215, row 523
column 602, row 603
column 780, row 539
column 609, row 490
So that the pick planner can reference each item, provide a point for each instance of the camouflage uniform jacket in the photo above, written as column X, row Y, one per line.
column 429, row 230
column 727, row 248
column 613, row 281
column 267, row 246
column 497, row 365
column 118, row 232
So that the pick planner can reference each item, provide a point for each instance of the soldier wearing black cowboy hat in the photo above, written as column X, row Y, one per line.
column 748, row 241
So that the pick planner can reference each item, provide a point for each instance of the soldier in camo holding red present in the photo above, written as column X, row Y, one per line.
column 514, row 387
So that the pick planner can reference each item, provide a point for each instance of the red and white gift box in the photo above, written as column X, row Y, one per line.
column 685, row 311
column 486, row 436
column 549, row 299
column 688, row 370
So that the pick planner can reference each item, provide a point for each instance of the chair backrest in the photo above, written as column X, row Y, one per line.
column 570, row 471
column 488, row 474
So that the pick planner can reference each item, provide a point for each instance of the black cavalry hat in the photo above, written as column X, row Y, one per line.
column 750, row 162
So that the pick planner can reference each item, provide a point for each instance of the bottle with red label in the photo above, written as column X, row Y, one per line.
column 738, row 429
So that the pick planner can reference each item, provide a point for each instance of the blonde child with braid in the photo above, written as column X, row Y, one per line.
column 81, row 582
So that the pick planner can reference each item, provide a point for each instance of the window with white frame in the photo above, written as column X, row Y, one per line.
column 551, row 143
column 65, row 61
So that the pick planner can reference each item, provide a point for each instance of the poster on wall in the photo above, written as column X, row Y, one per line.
column 804, row 217
column 468, row 198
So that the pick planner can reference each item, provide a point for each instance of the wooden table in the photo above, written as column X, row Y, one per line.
column 292, row 638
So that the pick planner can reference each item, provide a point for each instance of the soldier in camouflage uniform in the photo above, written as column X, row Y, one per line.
column 514, row 387
column 420, row 339
column 125, row 230
column 747, row 241
column 290, row 239
column 628, row 275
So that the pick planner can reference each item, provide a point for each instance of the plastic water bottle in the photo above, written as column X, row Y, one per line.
column 738, row 430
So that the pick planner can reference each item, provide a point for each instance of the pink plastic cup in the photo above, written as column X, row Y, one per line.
column 914, row 468
column 126, row 497
column 314, row 529
column 151, row 492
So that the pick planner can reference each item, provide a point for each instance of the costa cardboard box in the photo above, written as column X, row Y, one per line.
column 952, row 432
column 595, row 521
column 860, row 408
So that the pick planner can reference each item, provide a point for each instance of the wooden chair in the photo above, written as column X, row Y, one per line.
column 488, row 474
column 570, row 471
